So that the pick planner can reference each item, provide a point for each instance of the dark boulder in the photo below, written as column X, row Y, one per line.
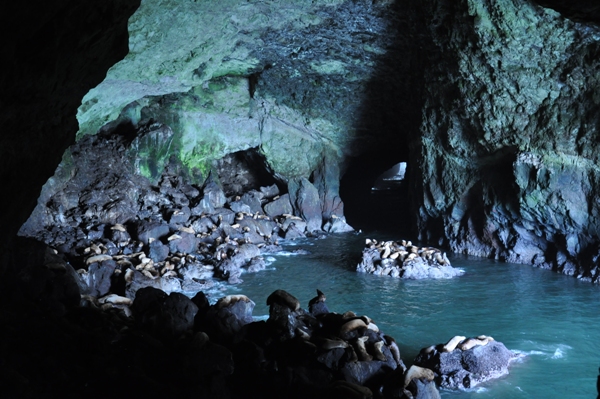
column 280, row 206
column 183, row 242
column 158, row 251
column 467, row 368
column 305, row 201
column 150, row 229
column 98, row 278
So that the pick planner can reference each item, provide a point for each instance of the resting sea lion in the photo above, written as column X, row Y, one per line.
column 361, row 349
column 451, row 345
column 230, row 300
column 417, row 372
column 351, row 326
column 283, row 298
column 378, row 352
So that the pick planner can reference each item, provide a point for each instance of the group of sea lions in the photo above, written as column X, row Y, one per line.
column 404, row 260
column 405, row 251
column 198, row 250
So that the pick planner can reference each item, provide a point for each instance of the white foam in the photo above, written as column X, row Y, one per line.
column 548, row 351
column 558, row 354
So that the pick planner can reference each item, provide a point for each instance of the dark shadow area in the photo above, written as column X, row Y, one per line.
column 390, row 117
column 576, row 10
column 243, row 171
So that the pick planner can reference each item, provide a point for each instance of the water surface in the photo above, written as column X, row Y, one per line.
column 551, row 318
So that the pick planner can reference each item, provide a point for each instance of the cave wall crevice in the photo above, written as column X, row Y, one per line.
column 519, row 79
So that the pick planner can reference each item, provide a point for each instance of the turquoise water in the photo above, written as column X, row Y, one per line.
column 550, row 318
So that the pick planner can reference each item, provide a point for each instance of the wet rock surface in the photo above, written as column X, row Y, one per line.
column 507, row 156
column 466, row 362
column 122, row 233
column 405, row 260
column 160, row 344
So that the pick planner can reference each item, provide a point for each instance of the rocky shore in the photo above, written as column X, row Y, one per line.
column 123, row 263
column 160, row 343
column 120, row 232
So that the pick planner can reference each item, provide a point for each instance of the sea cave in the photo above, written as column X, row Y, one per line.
column 171, row 166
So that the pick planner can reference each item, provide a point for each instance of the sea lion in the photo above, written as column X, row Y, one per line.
column 393, row 347
column 417, row 372
column 473, row 342
column 283, row 298
column 451, row 345
column 361, row 349
column 317, row 305
column 129, row 275
column 230, row 300
column 428, row 350
column 411, row 256
column 302, row 333
column 115, row 300
column 97, row 258
column 386, row 252
column 187, row 230
column 118, row 227
column 378, row 352
column 468, row 344
column 349, row 315
column 351, row 326
column 328, row 344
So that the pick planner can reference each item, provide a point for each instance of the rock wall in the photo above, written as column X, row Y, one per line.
column 54, row 53
column 508, row 149
column 302, row 83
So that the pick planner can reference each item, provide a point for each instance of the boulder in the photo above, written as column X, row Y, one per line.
column 186, row 243
column 305, row 201
column 151, row 229
column 280, row 206
column 213, row 193
column 158, row 251
column 467, row 368
column 229, row 315
column 98, row 278
column 293, row 232
column 337, row 224
column 269, row 191
column 179, row 216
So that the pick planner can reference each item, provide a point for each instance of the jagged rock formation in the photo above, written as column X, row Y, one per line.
column 507, row 154
column 499, row 115
column 55, row 51
column 286, row 80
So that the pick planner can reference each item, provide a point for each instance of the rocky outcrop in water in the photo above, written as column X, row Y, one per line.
column 169, row 344
column 466, row 362
column 405, row 260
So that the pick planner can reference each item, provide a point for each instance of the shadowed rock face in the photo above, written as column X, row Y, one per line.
column 54, row 53
column 508, row 146
column 494, row 103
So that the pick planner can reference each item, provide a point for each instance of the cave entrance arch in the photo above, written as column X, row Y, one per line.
column 375, row 199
